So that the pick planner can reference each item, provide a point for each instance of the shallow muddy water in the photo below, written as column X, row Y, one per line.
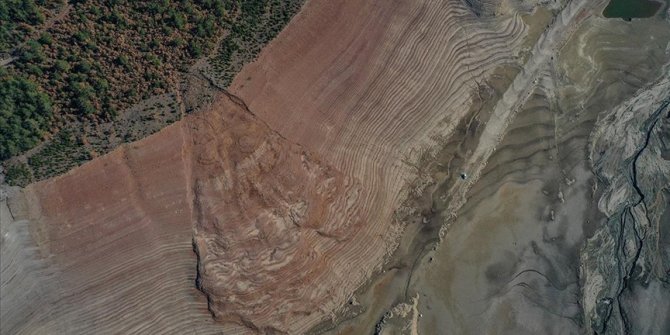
column 628, row 9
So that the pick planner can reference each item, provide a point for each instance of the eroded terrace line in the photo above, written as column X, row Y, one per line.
column 550, row 42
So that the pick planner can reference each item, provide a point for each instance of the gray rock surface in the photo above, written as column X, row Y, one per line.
column 625, row 265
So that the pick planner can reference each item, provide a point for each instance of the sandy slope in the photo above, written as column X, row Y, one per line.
column 105, row 249
column 287, row 188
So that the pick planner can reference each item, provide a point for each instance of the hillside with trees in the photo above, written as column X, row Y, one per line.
column 86, row 62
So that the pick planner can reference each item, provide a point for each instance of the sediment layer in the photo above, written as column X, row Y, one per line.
column 286, row 187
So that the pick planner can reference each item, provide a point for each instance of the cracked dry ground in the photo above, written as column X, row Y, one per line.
column 322, row 193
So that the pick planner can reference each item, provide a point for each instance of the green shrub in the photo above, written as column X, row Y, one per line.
column 45, row 39
column 122, row 60
column 18, row 175
column 32, row 52
column 195, row 48
column 61, row 66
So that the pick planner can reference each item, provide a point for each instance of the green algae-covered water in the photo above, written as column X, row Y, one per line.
column 628, row 9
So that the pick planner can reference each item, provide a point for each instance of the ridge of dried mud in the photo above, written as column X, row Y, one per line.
column 289, row 208
column 527, row 250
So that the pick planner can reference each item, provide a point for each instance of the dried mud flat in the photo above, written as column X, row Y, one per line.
column 557, row 236
column 323, row 193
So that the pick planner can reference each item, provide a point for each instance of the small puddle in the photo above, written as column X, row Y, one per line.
column 629, row 9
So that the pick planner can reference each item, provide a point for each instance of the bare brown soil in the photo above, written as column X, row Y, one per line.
column 291, row 190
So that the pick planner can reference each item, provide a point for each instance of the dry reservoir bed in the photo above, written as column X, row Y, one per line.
column 324, row 191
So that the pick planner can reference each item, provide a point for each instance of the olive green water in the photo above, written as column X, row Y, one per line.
column 628, row 9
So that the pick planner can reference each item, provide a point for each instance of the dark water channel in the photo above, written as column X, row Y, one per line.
column 628, row 9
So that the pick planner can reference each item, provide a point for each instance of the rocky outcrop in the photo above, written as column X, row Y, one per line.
column 271, row 222
column 625, row 264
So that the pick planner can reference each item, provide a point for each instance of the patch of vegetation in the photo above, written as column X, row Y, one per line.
column 25, row 114
column 64, row 152
column 18, row 174
column 18, row 19
column 105, row 56
column 260, row 22
column 100, row 57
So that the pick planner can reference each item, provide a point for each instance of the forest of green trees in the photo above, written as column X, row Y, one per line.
column 101, row 57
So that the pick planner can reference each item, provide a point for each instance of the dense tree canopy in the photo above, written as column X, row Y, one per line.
column 12, row 14
column 25, row 114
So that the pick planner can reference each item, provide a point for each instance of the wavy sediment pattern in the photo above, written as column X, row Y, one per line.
column 286, row 190
column 114, row 238
column 370, row 105
column 521, row 277
column 562, row 248
column 271, row 220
